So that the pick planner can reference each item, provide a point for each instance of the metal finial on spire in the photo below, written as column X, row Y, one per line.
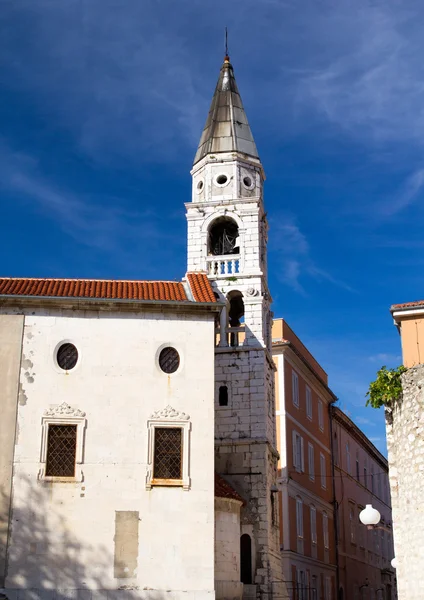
column 227, row 58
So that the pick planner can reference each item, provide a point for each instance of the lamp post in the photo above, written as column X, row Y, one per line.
column 371, row 517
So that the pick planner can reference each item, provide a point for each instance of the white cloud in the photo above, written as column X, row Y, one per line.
column 385, row 359
column 294, row 261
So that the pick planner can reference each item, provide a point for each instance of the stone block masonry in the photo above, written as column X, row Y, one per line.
column 405, row 442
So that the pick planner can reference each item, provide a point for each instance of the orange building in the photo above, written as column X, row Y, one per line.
column 361, row 478
column 307, row 539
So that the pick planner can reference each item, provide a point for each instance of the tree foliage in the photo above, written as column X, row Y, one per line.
column 386, row 388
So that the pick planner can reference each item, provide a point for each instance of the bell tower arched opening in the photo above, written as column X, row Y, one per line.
column 223, row 237
column 236, row 317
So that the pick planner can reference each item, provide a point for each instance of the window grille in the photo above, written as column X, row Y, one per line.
column 67, row 356
column 61, row 450
column 168, row 453
column 169, row 360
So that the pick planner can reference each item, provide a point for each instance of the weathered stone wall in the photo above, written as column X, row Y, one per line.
column 405, row 442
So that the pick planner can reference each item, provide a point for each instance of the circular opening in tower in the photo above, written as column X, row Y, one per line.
column 200, row 186
column 247, row 182
column 221, row 179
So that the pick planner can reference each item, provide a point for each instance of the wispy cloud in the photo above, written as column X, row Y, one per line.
column 294, row 258
column 107, row 227
column 364, row 421
column 385, row 359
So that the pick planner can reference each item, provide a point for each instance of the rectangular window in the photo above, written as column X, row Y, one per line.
column 295, row 388
column 323, row 470
column 167, row 461
column 299, row 524
column 301, row 586
column 361, row 531
column 325, row 530
column 309, row 403
column 348, row 465
column 372, row 479
column 352, row 524
column 357, row 468
column 311, row 462
column 379, row 485
column 314, row 587
column 313, row 525
column 328, row 588
column 61, row 450
column 365, row 476
column 320, row 415
column 298, row 456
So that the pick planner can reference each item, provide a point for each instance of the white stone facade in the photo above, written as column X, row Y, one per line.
column 227, row 554
column 405, row 443
column 64, row 536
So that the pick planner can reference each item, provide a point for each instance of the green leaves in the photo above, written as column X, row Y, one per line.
column 386, row 388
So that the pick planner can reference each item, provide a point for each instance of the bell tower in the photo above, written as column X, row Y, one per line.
column 227, row 239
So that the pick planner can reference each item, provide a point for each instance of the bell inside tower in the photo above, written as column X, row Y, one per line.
column 224, row 237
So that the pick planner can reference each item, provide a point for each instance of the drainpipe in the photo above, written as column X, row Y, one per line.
column 335, row 506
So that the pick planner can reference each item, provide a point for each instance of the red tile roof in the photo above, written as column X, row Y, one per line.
column 407, row 305
column 201, row 287
column 109, row 289
column 224, row 490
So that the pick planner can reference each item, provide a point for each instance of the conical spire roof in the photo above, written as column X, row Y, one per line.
column 227, row 128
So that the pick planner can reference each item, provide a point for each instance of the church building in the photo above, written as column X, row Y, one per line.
column 138, row 438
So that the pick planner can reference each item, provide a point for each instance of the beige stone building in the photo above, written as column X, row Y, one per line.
column 405, row 442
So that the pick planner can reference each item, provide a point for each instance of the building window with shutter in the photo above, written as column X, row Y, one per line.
column 295, row 388
column 314, row 539
column 298, row 456
column 299, row 524
column 311, row 462
column 309, row 403
column 352, row 523
column 168, row 449
column 328, row 588
column 348, row 464
column 325, row 531
column 320, row 415
column 323, row 470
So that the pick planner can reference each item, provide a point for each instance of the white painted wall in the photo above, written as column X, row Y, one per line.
column 63, row 533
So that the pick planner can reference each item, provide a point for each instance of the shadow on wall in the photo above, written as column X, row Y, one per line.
column 45, row 559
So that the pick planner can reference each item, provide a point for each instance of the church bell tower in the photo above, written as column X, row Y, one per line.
column 227, row 239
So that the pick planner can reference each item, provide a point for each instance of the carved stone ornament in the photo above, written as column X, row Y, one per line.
column 170, row 413
column 63, row 410
column 251, row 291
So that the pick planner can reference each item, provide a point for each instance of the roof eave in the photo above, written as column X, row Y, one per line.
column 111, row 303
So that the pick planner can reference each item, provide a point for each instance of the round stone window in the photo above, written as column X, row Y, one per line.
column 67, row 356
column 221, row 180
column 169, row 360
column 248, row 182
column 199, row 187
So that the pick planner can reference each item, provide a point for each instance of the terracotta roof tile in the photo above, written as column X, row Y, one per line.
column 92, row 288
column 224, row 490
column 407, row 305
column 200, row 287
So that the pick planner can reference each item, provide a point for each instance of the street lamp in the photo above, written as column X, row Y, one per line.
column 369, row 516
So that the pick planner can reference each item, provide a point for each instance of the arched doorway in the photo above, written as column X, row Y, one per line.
column 245, row 559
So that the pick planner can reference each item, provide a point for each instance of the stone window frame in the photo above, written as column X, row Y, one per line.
column 62, row 414
column 169, row 417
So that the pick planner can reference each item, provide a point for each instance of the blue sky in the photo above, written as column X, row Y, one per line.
column 102, row 106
